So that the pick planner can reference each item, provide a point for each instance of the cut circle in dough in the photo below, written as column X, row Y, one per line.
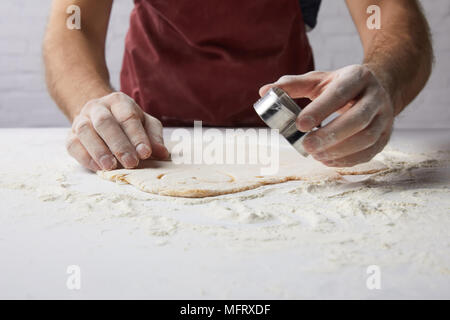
column 197, row 181
column 195, row 176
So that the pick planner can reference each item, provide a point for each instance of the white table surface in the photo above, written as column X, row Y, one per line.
column 124, row 256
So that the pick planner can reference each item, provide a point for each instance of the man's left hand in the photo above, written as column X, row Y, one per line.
column 366, row 113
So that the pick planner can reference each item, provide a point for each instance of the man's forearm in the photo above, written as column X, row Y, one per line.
column 75, row 64
column 75, row 74
column 400, row 53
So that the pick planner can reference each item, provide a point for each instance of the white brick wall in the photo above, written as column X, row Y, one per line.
column 24, row 101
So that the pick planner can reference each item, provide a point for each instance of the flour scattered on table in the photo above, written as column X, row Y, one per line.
column 383, row 217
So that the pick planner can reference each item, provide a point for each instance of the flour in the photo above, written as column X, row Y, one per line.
column 388, row 217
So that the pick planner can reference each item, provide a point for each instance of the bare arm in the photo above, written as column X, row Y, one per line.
column 400, row 52
column 75, row 63
column 108, row 127
column 397, row 64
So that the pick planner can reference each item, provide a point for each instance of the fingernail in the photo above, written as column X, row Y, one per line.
column 312, row 143
column 93, row 165
column 129, row 160
column 263, row 90
column 143, row 150
column 305, row 123
column 107, row 162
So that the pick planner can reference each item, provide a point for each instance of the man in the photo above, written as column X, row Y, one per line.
column 189, row 60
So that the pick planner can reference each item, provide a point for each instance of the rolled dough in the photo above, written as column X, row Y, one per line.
column 198, row 181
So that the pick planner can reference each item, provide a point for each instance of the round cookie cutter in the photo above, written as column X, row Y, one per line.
column 279, row 111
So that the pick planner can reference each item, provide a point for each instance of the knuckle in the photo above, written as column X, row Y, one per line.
column 119, row 149
column 342, row 90
column 90, row 104
column 285, row 78
column 129, row 115
column 120, row 97
column 329, row 138
column 91, row 108
column 114, row 97
column 117, row 96
column 82, row 125
column 101, row 120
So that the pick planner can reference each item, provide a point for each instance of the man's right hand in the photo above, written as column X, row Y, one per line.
column 114, row 128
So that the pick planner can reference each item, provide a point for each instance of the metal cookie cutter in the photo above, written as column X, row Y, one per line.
column 279, row 111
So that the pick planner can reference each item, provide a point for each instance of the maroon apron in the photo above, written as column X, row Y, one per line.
column 189, row 60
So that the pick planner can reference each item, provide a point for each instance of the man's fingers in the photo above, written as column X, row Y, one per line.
column 154, row 129
column 344, row 87
column 94, row 145
column 77, row 151
column 130, row 118
column 299, row 86
column 329, row 91
column 112, row 134
column 361, row 156
column 112, row 129
column 357, row 142
column 351, row 122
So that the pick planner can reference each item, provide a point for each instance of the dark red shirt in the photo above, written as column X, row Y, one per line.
column 189, row 60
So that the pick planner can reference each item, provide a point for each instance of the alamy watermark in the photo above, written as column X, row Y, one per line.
column 73, row 281
column 229, row 146
column 374, row 20
column 373, row 281
column 73, row 22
